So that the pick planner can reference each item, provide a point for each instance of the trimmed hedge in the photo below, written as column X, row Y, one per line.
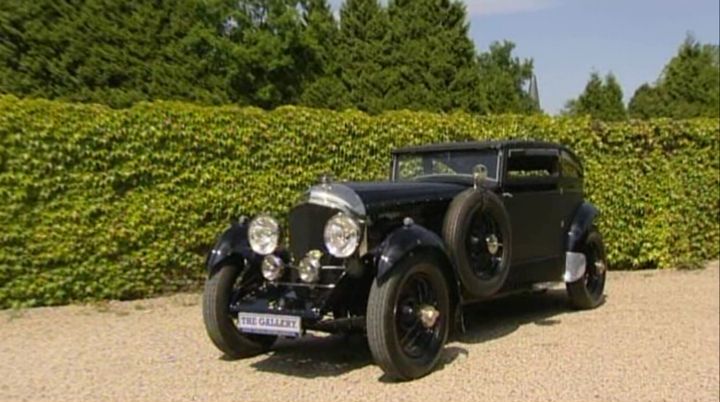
column 100, row 203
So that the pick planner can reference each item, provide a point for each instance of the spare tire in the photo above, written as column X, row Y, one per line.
column 477, row 233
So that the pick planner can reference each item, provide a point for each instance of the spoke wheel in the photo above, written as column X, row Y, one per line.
column 476, row 231
column 588, row 291
column 484, row 245
column 224, row 288
column 408, row 318
column 417, row 317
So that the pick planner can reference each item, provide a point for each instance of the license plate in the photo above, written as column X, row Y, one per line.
column 269, row 324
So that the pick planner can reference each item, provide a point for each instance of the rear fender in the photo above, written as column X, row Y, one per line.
column 582, row 221
column 575, row 263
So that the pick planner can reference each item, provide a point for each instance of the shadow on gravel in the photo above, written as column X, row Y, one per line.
column 327, row 356
column 317, row 356
column 497, row 318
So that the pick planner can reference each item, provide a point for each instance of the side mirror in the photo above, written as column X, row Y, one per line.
column 480, row 173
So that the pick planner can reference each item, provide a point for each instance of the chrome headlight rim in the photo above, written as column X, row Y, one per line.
column 264, row 234
column 342, row 235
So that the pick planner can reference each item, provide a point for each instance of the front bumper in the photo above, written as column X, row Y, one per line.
column 322, row 306
column 283, row 300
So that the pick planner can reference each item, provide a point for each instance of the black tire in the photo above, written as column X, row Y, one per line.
column 588, row 291
column 401, row 344
column 470, row 214
column 219, row 322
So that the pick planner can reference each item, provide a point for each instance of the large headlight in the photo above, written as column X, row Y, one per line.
column 342, row 235
column 263, row 234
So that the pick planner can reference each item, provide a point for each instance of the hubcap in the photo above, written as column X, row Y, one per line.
column 428, row 316
column 600, row 267
column 493, row 245
column 485, row 245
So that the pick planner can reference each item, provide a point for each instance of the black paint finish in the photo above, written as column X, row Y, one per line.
column 548, row 216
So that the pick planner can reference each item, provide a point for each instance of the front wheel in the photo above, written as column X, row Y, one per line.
column 408, row 317
column 587, row 292
column 224, row 287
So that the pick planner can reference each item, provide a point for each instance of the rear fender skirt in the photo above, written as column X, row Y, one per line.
column 574, row 266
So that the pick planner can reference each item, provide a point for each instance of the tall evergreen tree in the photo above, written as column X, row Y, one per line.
column 503, row 79
column 321, row 35
column 601, row 99
column 431, row 65
column 363, row 50
column 413, row 54
column 688, row 87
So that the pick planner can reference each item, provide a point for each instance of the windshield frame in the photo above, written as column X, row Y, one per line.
column 395, row 165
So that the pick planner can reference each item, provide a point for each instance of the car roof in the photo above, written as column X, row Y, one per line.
column 479, row 145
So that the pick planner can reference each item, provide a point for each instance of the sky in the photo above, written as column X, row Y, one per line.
column 570, row 39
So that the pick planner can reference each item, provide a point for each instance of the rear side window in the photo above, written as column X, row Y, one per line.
column 569, row 166
column 531, row 163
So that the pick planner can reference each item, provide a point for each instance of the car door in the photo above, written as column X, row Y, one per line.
column 571, row 188
column 532, row 196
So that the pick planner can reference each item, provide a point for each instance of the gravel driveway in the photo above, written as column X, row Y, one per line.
column 656, row 338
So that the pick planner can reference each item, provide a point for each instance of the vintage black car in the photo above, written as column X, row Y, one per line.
column 456, row 223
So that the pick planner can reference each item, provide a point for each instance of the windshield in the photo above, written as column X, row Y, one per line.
column 414, row 166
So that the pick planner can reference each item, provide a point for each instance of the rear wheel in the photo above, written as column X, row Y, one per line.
column 587, row 292
column 408, row 317
column 224, row 287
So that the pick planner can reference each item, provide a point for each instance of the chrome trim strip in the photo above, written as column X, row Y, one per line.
column 323, row 267
column 306, row 285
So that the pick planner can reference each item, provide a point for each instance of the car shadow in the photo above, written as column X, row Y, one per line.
column 316, row 356
column 497, row 318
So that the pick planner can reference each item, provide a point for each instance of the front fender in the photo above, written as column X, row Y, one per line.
column 583, row 219
column 232, row 245
column 402, row 242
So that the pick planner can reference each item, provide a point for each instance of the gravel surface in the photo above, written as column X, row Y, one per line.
column 656, row 338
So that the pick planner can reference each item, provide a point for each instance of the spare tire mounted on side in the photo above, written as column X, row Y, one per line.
column 476, row 231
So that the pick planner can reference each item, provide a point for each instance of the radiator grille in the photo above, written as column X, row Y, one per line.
column 307, row 223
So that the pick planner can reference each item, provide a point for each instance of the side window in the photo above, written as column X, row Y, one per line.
column 532, row 163
column 441, row 168
column 409, row 166
column 569, row 167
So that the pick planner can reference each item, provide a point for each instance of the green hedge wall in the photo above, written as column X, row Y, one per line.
column 100, row 203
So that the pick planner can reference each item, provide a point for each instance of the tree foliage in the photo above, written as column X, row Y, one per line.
column 689, row 85
column 602, row 99
column 406, row 55
column 503, row 79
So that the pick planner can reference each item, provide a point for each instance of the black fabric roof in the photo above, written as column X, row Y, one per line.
column 470, row 145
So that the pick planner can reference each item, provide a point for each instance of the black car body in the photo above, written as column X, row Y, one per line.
column 456, row 223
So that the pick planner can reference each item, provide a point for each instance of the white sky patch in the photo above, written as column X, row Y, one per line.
column 493, row 7
column 489, row 7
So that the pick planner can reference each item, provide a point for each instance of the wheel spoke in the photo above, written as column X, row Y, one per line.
column 416, row 326
column 416, row 336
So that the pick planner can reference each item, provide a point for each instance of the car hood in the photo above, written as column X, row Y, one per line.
column 379, row 195
column 362, row 198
